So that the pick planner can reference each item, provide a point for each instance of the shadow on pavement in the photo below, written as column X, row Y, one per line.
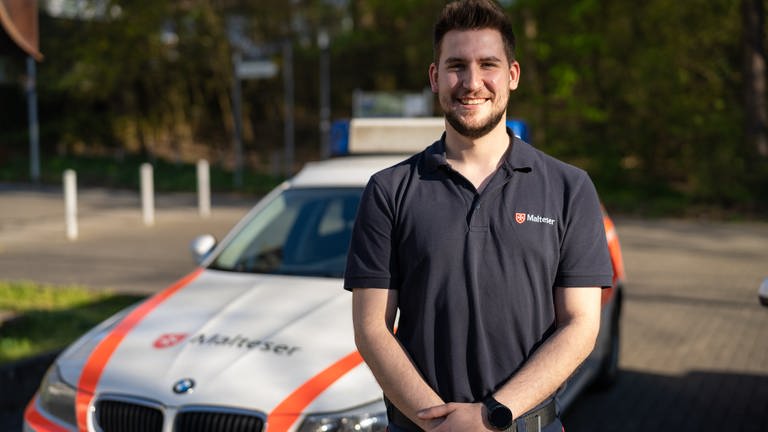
column 698, row 401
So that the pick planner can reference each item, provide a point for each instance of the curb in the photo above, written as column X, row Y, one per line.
column 24, row 378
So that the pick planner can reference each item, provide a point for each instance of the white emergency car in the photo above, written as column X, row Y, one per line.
column 259, row 337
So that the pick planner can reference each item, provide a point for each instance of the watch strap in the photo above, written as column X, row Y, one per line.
column 493, row 406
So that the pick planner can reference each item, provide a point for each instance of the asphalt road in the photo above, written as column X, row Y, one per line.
column 114, row 249
column 694, row 353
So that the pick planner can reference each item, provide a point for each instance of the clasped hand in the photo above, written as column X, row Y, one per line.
column 455, row 417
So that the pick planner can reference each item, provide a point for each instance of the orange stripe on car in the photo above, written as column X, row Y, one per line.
column 614, row 248
column 38, row 421
column 288, row 411
column 98, row 359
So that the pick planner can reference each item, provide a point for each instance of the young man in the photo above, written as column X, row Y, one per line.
column 493, row 253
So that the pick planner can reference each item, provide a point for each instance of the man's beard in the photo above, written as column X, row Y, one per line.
column 473, row 132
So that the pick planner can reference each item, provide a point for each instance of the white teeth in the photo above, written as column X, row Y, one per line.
column 472, row 101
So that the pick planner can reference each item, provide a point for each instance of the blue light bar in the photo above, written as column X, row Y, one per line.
column 340, row 137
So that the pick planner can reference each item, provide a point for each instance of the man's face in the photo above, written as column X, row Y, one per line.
column 473, row 80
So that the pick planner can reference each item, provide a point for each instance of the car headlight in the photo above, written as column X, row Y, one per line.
column 367, row 418
column 57, row 398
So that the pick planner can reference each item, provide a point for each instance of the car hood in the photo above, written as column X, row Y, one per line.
column 247, row 341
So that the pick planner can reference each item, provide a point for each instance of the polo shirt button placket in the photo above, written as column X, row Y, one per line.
column 476, row 222
column 475, row 213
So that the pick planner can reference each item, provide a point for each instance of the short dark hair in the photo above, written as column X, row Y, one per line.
column 474, row 15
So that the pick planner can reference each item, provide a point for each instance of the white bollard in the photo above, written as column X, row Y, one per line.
column 203, row 188
column 147, row 195
column 70, row 203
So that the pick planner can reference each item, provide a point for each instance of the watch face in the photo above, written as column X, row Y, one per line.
column 500, row 417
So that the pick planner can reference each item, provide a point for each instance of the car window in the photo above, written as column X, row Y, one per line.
column 300, row 232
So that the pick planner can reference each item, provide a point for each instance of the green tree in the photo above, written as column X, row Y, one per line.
column 643, row 95
column 649, row 97
column 145, row 80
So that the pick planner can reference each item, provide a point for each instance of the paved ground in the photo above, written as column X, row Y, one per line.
column 114, row 248
column 694, row 353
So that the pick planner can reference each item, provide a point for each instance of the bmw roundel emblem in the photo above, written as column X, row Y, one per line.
column 184, row 385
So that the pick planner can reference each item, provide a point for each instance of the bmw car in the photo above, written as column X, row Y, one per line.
column 259, row 336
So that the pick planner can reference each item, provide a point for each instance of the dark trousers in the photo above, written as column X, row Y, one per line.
column 555, row 426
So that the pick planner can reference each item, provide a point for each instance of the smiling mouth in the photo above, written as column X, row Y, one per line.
column 472, row 101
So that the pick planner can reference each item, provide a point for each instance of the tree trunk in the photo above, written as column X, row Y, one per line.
column 756, row 114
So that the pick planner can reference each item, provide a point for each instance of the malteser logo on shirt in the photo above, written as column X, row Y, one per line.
column 527, row 217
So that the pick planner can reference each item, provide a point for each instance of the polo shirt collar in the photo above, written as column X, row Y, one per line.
column 520, row 158
column 434, row 155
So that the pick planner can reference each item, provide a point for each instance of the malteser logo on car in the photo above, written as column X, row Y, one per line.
column 168, row 340
column 242, row 342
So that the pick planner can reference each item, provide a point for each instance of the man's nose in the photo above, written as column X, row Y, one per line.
column 473, row 78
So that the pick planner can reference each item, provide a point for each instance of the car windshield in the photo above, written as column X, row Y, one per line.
column 304, row 232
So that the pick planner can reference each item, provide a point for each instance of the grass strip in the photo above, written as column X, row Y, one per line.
column 42, row 318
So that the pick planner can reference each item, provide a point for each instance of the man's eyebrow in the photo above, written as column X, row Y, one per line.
column 455, row 60
column 492, row 59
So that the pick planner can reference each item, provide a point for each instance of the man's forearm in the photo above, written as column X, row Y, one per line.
column 397, row 376
column 538, row 379
column 545, row 371
column 553, row 362
column 391, row 366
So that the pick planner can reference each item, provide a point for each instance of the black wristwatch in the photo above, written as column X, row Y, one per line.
column 499, row 416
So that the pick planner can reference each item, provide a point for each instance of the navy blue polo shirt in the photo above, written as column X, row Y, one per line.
column 475, row 272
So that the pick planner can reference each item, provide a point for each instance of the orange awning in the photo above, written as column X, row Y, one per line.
column 19, row 20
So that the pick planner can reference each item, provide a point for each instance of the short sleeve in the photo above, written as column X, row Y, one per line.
column 584, row 257
column 370, row 253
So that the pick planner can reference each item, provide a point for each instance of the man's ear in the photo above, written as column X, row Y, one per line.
column 433, row 77
column 514, row 75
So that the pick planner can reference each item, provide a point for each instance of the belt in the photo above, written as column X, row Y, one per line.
column 535, row 420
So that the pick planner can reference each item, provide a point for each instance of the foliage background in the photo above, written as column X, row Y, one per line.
column 648, row 97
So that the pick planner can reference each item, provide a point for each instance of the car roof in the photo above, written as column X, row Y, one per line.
column 347, row 171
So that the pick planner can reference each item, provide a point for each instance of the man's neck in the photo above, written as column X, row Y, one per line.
column 477, row 159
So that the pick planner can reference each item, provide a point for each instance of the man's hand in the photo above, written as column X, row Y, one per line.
column 455, row 417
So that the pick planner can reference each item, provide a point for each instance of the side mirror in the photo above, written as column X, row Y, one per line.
column 202, row 246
